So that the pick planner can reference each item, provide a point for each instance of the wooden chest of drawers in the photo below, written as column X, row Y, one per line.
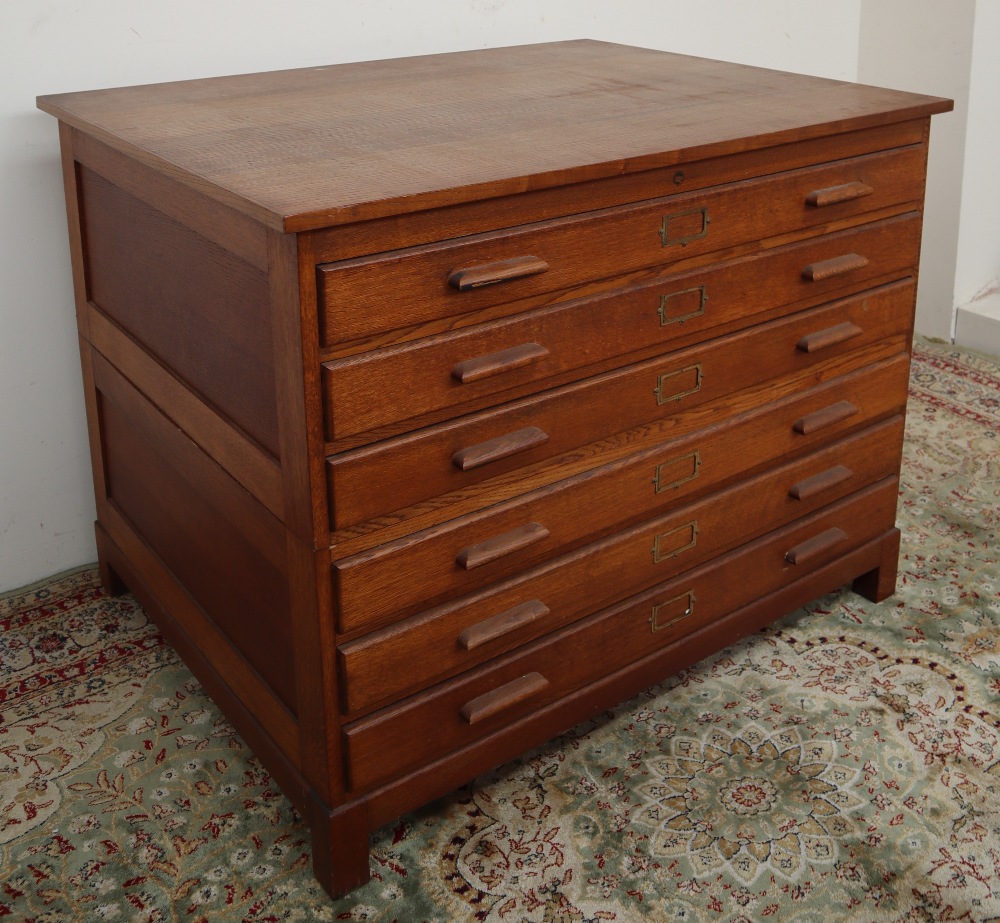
column 438, row 404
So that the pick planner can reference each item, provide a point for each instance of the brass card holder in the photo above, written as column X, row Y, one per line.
column 668, row 545
column 672, row 386
column 671, row 612
column 681, row 303
column 680, row 229
column 677, row 471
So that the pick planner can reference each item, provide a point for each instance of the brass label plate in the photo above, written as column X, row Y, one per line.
column 683, row 227
column 677, row 307
column 668, row 545
column 677, row 471
column 672, row 386
column 672, row 611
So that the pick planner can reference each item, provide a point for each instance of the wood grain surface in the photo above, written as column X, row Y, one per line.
column 409, row 655
column 396, row 738
column 378, row 586
column 406, row 378
column 306, row 148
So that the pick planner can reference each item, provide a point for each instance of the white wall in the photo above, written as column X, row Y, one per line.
column 949, row 50
column 925, row 46
column 47, row 46
column 977, row 272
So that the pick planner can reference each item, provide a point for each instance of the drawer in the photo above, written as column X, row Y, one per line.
column 405, row 289
column 455, row 713
column 486, row 364
column 473, row 449
column 384, row 584
column 388, row 664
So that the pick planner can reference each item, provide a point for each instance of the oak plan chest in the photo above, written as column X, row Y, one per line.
column 438, row 404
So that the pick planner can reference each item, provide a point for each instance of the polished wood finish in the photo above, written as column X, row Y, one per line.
column 517, row 267
column 505, row 697
column 836, row 266
column 200, row 286
column 827, row 416
column 506, row 360
column 832, row 195
column 673, row 393
column 389, row 741
column 441, row 775
column 499, row 447
column 547, row 94
column 198, row 533
column 390, row 408
column 595, row 245
column 830, row 336
column 879, row 583
column 410, row 654
column 502, row 624
column 593, row 334
column 816, row 546
column 380, row 585
column 500, row 546
column 818, row 483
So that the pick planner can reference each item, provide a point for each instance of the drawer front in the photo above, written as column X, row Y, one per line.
column 489, row 363
column 405, row 289
column 386, row 583
column 393, row 662
column 462, row 710
column 475, row 448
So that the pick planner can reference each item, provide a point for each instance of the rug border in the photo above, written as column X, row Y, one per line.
column 37, row 584
column 922, row 339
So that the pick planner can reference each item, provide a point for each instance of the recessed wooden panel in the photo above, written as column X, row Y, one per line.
column 220, row 544
column 201, row 311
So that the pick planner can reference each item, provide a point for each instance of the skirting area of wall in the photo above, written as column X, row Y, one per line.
column 977, row 325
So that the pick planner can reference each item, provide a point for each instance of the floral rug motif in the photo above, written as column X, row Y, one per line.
column 843, row 764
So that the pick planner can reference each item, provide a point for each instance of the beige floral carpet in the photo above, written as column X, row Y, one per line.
column 842, row 765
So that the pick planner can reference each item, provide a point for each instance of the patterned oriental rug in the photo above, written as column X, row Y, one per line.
column 841, row 765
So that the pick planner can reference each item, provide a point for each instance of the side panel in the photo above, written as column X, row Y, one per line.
column 224, row 549
column 176, row 311
column 200, row 310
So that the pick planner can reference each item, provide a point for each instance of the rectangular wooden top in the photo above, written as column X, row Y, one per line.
column 306, row 148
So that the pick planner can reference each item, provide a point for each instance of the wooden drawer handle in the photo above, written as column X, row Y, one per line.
column 819, row 198
column 507, row 696
column 506, row 360
column 825, row 417
column 813, row 547
column 500, row 545
column 836, row 266
column 501, row 624
column 475, row 456
column 809, row 487
column 491, row 273
column 831, row 336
